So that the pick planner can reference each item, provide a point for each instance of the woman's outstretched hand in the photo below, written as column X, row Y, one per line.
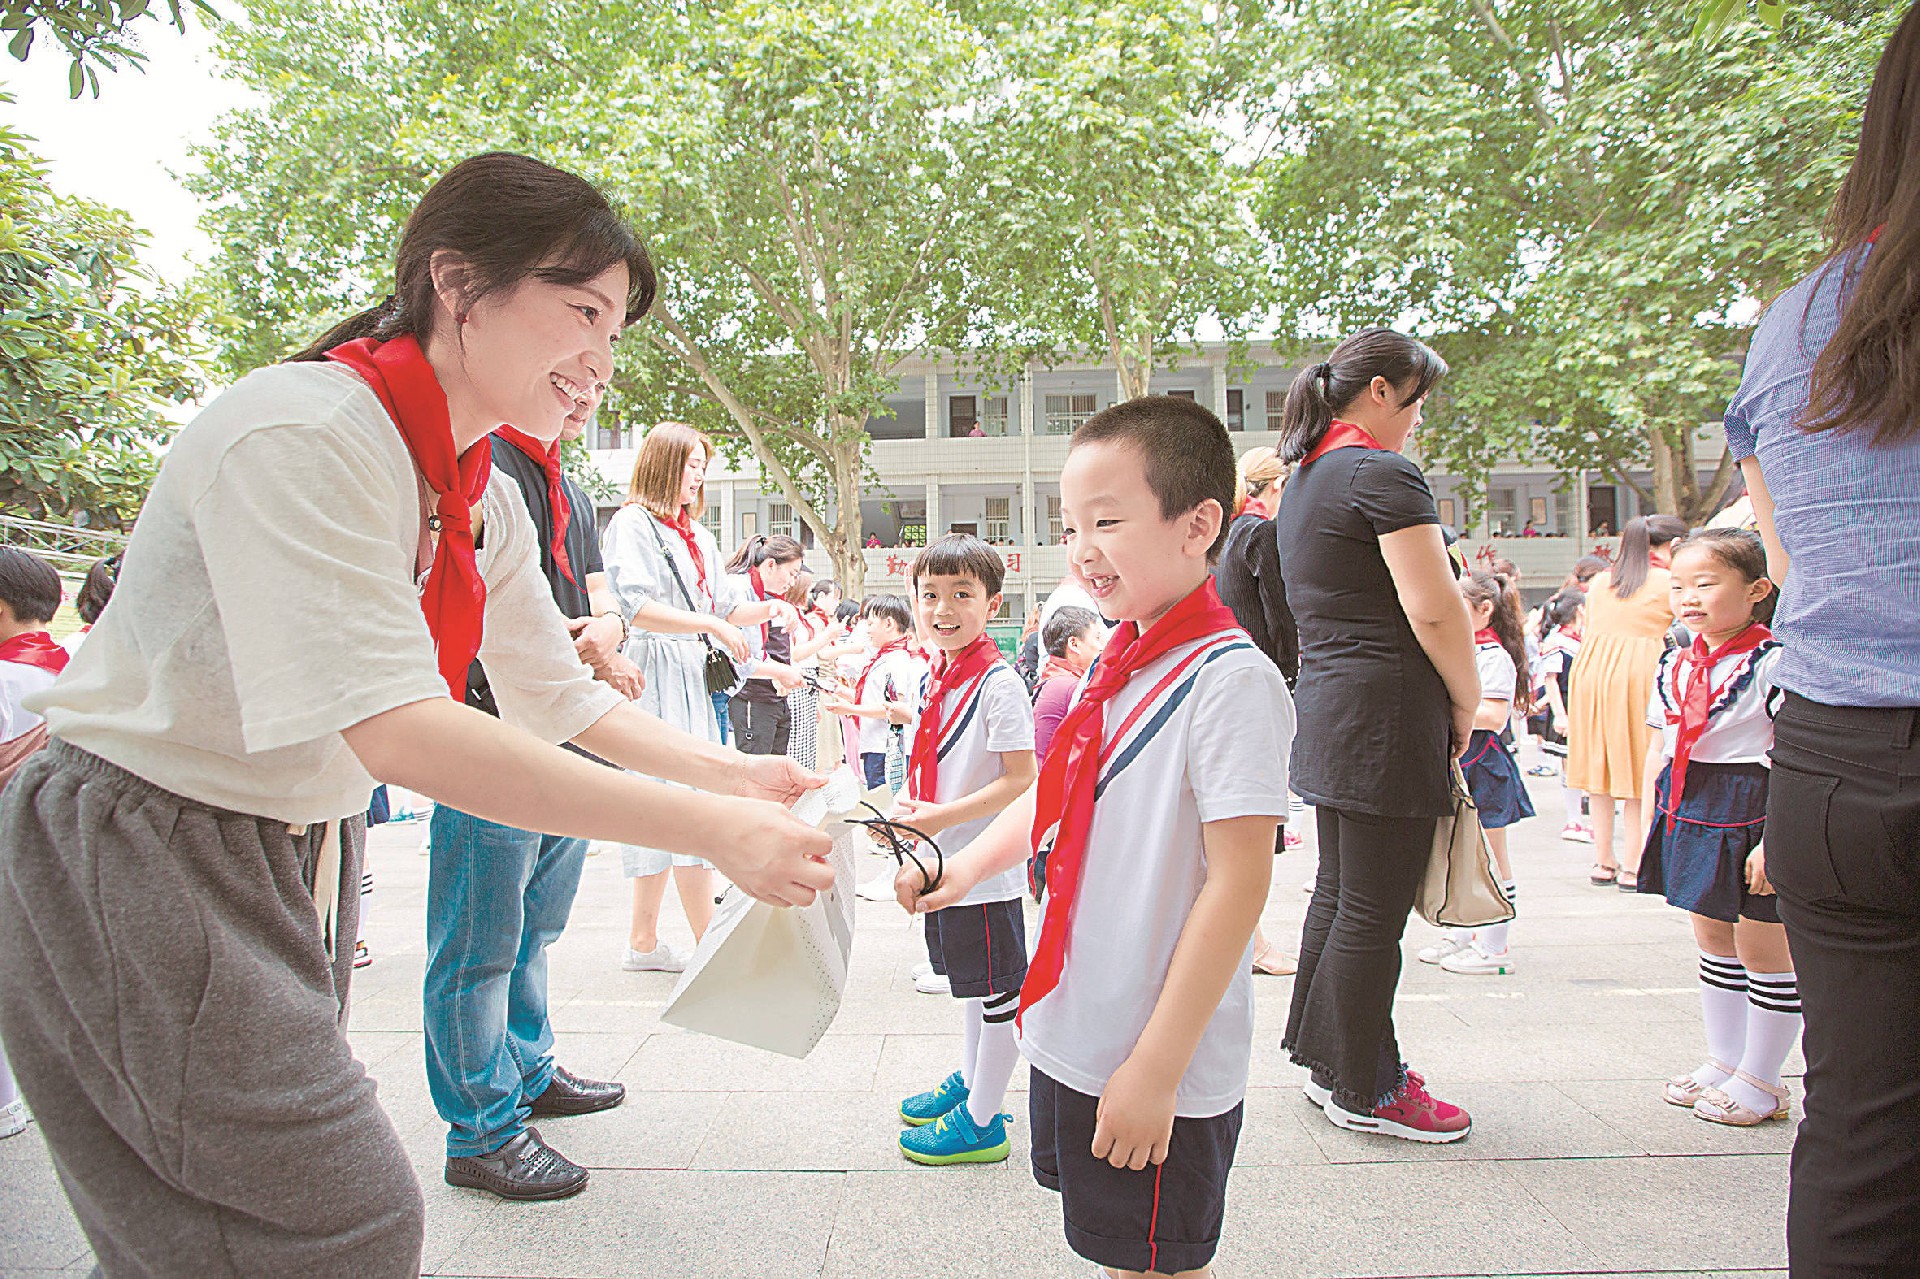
column 768, row 854
column 774, row 777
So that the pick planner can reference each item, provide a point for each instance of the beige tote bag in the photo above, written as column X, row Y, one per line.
column 1461, row 889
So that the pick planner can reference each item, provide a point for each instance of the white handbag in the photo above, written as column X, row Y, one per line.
column 1460, row 889
column 771, row 977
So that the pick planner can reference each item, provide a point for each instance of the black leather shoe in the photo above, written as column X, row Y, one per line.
column 568, row 1094
column 524, row 1168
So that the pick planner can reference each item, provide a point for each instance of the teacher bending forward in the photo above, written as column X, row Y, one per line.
column 1387, row 696
column 180, row 869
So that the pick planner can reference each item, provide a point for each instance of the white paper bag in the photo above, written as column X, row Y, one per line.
column 768, row 976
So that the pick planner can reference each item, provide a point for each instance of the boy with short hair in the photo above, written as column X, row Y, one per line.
column 886, row 693
column 972, row 756
column 1151, row 831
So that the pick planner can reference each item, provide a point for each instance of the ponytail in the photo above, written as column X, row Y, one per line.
column 759, row 549
column 1320, row 392
column 383, row 322
column 1637, row 540
column 1506, row 622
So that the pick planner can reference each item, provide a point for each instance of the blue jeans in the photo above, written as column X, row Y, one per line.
column 873, row 765
column 720, row 701
column 496, row 899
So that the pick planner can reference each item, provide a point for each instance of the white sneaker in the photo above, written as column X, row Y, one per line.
column 1477, row 962
column 661, row 959
column 14, row 1118
column 933, row 984
column 1441, row 950
column 922, row 969
column 1319, row 1096
column 877, row 889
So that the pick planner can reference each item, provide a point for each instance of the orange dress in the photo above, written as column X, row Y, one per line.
column 1611, row 681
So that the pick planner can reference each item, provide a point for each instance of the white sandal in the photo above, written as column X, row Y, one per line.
column 1684, row 1090
column 1716, row 1107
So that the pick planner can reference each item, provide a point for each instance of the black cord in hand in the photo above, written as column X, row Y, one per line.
column 902, row 850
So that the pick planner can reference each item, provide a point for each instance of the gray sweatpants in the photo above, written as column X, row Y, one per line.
column 176, row 1025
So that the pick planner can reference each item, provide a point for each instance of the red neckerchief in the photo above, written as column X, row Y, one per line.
column 454, row 598
column 1342, row 435
column 1065, row 795
column 682, row 523
column 1486, row 635
column 1697, row 700
column 1255, row 506
column 1057, row 666
column 891, row 646
column 759, row 593
column 35, row 648
column 561, row 510
column 959, row 672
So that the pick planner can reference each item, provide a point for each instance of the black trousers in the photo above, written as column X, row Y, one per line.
column 760, row 728
column 1843, row 851
column 1341, row 1021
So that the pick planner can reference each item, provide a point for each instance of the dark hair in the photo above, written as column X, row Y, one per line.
column 820, row 587
column 28, row 586
column 1867, row 377
column 1742, row 551
column 1637, row 540
column 1561, row 610
column 758, row 550
column 961, row 555
column 1067, row 623
column 1490, row 588
column 97, row 589
column 892, row 607
column 1586, row 568
column 1320, row 392
column 509, row 218
column 846, row 611
column 1186, row 452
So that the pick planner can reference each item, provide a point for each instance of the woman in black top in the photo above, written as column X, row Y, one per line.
column 1248, row 574
column 1386, row 698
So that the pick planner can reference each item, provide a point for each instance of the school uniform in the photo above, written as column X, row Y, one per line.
column 981, row 943
column 891, row 675
column 1554, row 662
column 1696, row 852
column 1493, row 778
column 1196, row 735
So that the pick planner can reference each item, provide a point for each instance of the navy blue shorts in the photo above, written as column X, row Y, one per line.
column 873, row 766
column 1164, row 1218
column 981, row 950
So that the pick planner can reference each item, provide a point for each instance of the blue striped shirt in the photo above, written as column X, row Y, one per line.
column 1848, row 514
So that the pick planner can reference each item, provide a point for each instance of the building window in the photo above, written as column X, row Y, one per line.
column 1276, row 406
column 1563, row 514
column 1537, row 514
column 1503, row 512
column 711, row 518
column 1013, row 608
column 999, row 520
column 1449, row 513
column 993, row 414
column 1056, row 530
column 608, row 435
column 1065, row 413
column 976, row 415
column 780, row 521
column 1183, row 395
column 1236, row 409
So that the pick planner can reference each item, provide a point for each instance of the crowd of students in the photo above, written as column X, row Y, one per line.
column 181, row 841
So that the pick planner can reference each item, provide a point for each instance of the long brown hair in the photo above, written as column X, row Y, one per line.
column 1867, row 377
column 1637, row 540
column 656, row 472
column 1506, row 622
column 760, row 549
column 508, row 218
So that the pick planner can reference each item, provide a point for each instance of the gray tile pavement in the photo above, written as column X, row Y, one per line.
column 726, row 1161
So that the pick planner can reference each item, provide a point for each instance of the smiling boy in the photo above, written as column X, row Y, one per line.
column 1152, row 833
column 972, row 756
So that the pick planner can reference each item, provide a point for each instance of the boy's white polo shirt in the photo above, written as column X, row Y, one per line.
column 905, row 673
column 996, row 718
column 1213, row 746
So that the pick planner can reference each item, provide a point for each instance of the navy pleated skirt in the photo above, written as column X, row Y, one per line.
column 1494, row 781
column 1698, row 860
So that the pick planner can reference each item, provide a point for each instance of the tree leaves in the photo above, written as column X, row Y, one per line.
column 94, row 33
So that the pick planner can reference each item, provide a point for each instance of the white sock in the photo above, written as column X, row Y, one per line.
column 9, row 1091
column 1773, row 1027
column 969, row 1040
column 1572, row 798
column 1723, row 1008
column 995, row 1059
column 1493, row 938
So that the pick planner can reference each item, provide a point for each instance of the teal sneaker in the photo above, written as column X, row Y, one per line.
column 953, row 1139
column 925, row 1107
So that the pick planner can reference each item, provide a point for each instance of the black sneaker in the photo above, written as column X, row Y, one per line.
column 568, row 1094
column 526, row 1168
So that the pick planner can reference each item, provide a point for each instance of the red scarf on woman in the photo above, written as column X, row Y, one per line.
column 454, row 598
column 952, row 672
column 682, row 523
column 561, row 510
column 1486, row 635
column 1697, row 700
column 35, row 648
column 891, row 646
column 1342, row 435
column 1071, row 771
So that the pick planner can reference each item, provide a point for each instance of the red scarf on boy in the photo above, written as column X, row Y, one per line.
column 455, row 597
column 1697, row 700
column 35, row 648
column 1071, row 771
column 952, row 672
column 891, row 646
column 557, row 504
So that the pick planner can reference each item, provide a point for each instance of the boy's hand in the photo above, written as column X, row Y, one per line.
column 1757, row 882
column 957, row 879
column 836, row 706
column 1134, row 1123
column 899, row 713
column 921, row 815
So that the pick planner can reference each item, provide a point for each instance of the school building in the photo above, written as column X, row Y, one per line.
column 955, row 453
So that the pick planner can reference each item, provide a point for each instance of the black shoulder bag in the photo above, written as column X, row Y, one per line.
column 721, row 673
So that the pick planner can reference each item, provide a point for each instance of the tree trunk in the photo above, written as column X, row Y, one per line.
column 1676, row 478
column 848, row 535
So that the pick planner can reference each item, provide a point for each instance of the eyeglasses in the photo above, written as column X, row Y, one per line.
column 888, row 831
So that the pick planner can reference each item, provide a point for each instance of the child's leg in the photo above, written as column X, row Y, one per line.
column 995, row 1056
column 969, row 1038
column 1773, row 1012
column 1634, row 831
column 1497, row 841
column 1723, row 999
column 1571, row 798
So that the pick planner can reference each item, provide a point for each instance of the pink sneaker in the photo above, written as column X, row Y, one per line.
column 1413, row 1115
column 1574, row 832
column 1291, row 840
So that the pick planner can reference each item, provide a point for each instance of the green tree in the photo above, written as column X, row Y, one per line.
column 94, row 354
column 1582, row 205
column 98, row 35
